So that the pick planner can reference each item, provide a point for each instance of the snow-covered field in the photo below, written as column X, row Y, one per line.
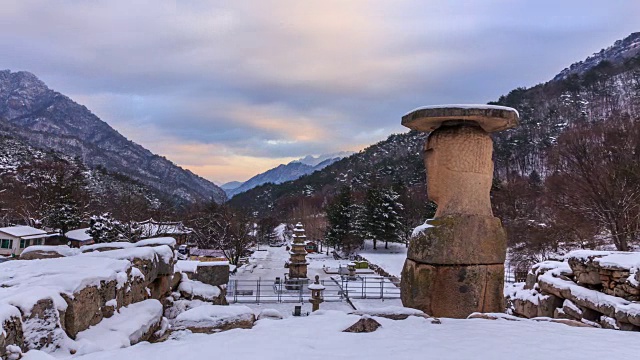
column 391, row 259
column 320, row 336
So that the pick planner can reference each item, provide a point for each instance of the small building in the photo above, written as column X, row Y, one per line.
column 175, row 229
column 207, row 255
column 79, row 237
column 311, row 247
column 14, row 239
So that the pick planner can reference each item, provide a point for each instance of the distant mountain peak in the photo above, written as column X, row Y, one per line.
column 287, row 172
column 312, row 160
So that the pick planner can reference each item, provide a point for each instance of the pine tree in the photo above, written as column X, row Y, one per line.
column 341, row 218
column 104, row 229
column 391, row 208
column 372, row 218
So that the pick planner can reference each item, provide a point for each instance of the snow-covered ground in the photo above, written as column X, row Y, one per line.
column 268, row 263
column 319, row 336
column 391, row 259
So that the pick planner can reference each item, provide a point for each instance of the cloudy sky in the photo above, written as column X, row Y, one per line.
column 229, row 89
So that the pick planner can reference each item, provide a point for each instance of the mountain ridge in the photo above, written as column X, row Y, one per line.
column 51, row 120
column 287, row 172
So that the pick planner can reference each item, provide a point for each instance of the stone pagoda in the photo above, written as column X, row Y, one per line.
column 298, row 261
column 455, row 266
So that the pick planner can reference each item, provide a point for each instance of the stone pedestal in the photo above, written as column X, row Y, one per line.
column 456, row 266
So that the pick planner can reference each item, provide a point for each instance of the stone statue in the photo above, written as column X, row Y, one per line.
column 456, row 266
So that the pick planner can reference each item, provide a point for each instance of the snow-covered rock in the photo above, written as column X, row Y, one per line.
column 214, row 318
column 193, row 289
column 130, row 325
column 391, row 312
column 46, row 252
column 58, row 298
column 272, row 314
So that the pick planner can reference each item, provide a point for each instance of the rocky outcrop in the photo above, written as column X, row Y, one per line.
column 594, row 288
column 53, row 300
column 364, row 325
column 214, row 318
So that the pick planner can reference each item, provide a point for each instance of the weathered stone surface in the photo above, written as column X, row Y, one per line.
column 460, row 239
column 525, row 308
column 569, row 322
column 43, row 326
column 560, row 314
column 547, row 305
column 364, row 325
column 213, row 318
column 213, row 275
column 40, row 254
column 489, row 118
column 84, row 309
column 459, row 170
column 11, row 334
column 160, row 287
column 532, row 279
column 588, row 277
column 571, row 309
column 452, row 291
column 627, row 327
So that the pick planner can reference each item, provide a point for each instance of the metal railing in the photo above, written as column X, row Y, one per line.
column 337, row 288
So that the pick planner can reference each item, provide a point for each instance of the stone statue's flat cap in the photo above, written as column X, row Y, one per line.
column 490, row 118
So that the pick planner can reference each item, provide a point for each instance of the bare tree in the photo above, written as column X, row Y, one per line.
column 598, row 176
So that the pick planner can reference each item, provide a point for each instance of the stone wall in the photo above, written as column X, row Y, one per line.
column 600, row 289
column 66, row 294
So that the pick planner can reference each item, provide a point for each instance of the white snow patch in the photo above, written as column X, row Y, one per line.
column 213, row 315
column 465, row 106
column 320, row 337
column 197, row 288
column 124, row 328
column 169, row 241
column 63, row 250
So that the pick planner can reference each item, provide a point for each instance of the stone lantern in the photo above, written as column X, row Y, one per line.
column 456, row 266
column 316, row 294
column 351, row 267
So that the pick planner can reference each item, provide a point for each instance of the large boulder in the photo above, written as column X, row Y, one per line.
column 196, row 290
column 130, row 325
column 214, row 318
column 212, row 273
column 10, row 329
column 43, row 326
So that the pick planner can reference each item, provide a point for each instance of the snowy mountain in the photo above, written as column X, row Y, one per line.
column 28, row 177
column 616, row 54
column 47, row 119
column 230, row 185
column 287, row 172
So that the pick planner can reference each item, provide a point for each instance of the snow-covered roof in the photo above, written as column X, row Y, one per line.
column 21, row 231
column 206, row 252
column 79, row 235
column 152, row 228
